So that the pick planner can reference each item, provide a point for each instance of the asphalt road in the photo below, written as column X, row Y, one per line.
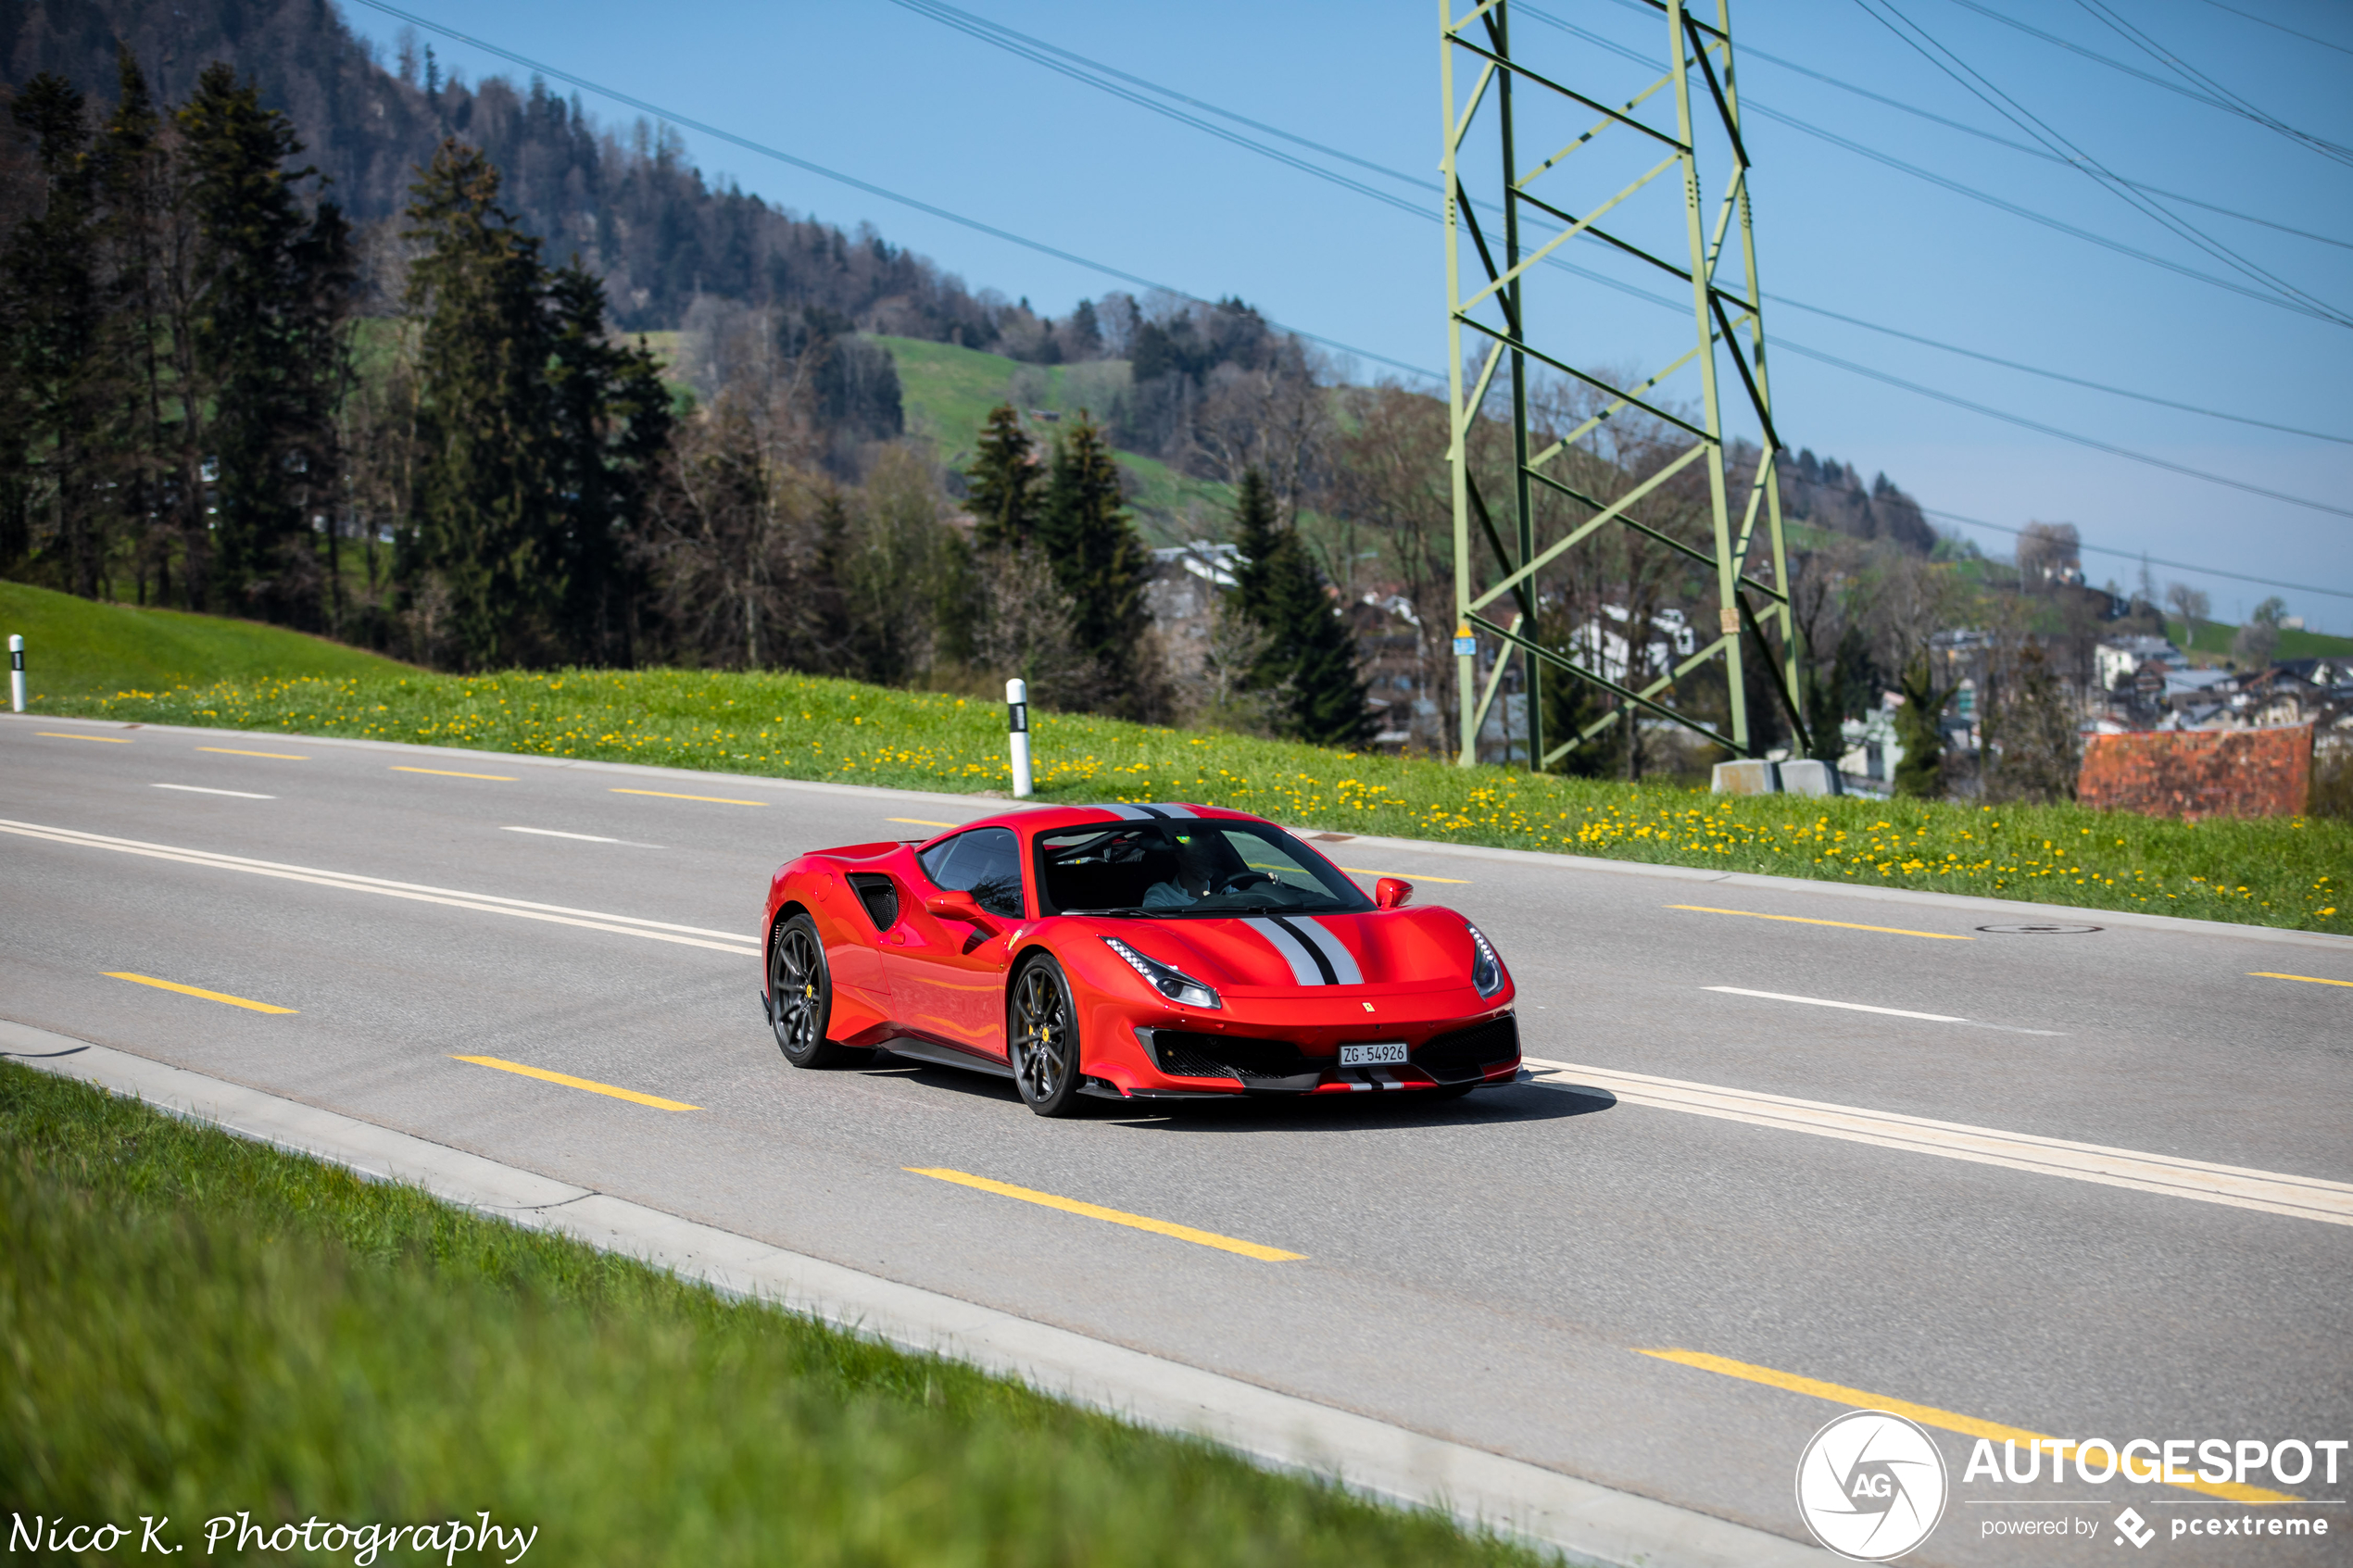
column 1489, row 1270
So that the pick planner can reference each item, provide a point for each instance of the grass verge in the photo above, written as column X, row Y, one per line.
column 195, row 1325
column 77, row 648
column 2287, row 872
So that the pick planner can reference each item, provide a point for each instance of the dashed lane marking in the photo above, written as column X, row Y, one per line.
column 922, row 822
column 487, row 903
column 108, row 740
column 1929, row 1415
column 569, row 1082
column 1114, row 1216
column 1418, row 877
column 2270, row 1192
column 2307, row 979
column 1808, row 920
column 197, row 991
column 1889, row 1012
column 199, row 789
column 453, row 774
column 672, row 795
column 275, row 756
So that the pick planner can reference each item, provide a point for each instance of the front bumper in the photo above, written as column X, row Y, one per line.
column 1185, row 1060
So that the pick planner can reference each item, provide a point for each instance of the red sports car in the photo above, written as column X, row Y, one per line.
column 1131, row 952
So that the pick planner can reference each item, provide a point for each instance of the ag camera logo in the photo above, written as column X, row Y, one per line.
column 1871, row 1485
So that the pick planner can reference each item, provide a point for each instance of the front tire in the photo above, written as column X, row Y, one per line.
column 800, row 994
column 1042, row 1038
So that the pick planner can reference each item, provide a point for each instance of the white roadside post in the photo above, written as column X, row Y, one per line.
column 15, row 672
column 1017, row 733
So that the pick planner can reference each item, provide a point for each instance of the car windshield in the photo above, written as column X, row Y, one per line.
column 1186, row 867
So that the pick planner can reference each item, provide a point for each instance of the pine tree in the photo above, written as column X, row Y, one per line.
column 1004, row 497
column 1920, row 773
column 52, row 314
column 1099, row 562
column 487, row 523
column 277, row 292
column 1308, row 667
column 613, row 422
column 136, row 178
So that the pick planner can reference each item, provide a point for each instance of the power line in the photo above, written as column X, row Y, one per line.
column 1981, row 86
column 2055, row 375
column 645, row 106
column 2092, row 442
column 2307, row 38
column 2326, row 148
column 2153, row 560
column 1079, row 67
column 642, row 106
column 1750, row 52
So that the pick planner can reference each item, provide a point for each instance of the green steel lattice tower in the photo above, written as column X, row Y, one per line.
column 1726, row 324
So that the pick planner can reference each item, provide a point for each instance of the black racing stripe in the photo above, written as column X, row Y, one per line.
column 1322, row 964
column 1152, row 811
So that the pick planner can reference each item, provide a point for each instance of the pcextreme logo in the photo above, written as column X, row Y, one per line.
column 1870, row 1485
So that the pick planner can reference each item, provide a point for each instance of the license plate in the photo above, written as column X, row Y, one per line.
column 1384, row 1054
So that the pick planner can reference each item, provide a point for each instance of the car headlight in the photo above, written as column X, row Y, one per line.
column 1173, row 984
column 1487, row 969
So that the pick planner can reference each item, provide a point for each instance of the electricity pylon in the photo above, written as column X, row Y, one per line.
column 1697, row 59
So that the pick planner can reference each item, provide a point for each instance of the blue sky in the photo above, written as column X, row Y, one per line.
column 876, row 90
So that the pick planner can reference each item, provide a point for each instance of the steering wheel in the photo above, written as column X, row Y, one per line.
column 1240, row 880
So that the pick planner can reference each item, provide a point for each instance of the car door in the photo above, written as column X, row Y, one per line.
column 947, row 978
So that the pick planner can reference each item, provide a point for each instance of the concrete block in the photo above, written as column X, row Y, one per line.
column 1806, row 776
column 1746, row 778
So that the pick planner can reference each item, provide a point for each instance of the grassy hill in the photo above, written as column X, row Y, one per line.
column 948, row 391
column 2214, row 638
column 75, row 648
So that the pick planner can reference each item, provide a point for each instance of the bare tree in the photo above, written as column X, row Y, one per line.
column 2191, row 604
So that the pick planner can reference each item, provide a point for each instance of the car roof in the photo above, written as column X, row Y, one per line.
column 1035, row 820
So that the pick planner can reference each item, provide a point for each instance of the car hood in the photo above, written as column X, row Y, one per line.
column 1293, row 953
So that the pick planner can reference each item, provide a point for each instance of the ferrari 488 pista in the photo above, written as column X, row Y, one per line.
column 1131, row 952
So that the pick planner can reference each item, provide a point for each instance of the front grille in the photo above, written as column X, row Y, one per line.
column 1216, row 1055
column 1467, row 1052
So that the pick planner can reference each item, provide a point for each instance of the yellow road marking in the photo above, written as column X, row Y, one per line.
column 60, row 734
column 1928, row 1415
column 572, row 1083
column 2307, row 979
column 232, row 751
column 194, row 991
column 1418, row 877
column 1845, row 924
column 447, row 773
column 714, row 800
column 920, row 823
column 1117, row 1217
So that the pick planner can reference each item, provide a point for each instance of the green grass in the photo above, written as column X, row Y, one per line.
column 2287, row 872
column 947, row 392
column 76, row 649
column 2214, row 637
column 194, row 1325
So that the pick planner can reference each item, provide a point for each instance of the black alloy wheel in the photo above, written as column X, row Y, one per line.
column 800, row 993
column 1041, row 1030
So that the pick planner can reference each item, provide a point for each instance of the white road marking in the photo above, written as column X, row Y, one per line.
column 1892, row 1012
column 2306, row 1198
column 584, row 837
column 199, row 789
column 487, row 903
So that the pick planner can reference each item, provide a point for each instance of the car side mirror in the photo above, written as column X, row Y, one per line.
column 1392, row 893
column 960, row 905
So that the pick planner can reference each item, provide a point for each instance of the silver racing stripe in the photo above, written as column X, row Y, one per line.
column 1344, row 969
column 1128, row 813
column 1303, row 967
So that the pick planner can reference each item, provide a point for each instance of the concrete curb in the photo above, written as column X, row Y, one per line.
column 2014, row 908
column 1588, row 1523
